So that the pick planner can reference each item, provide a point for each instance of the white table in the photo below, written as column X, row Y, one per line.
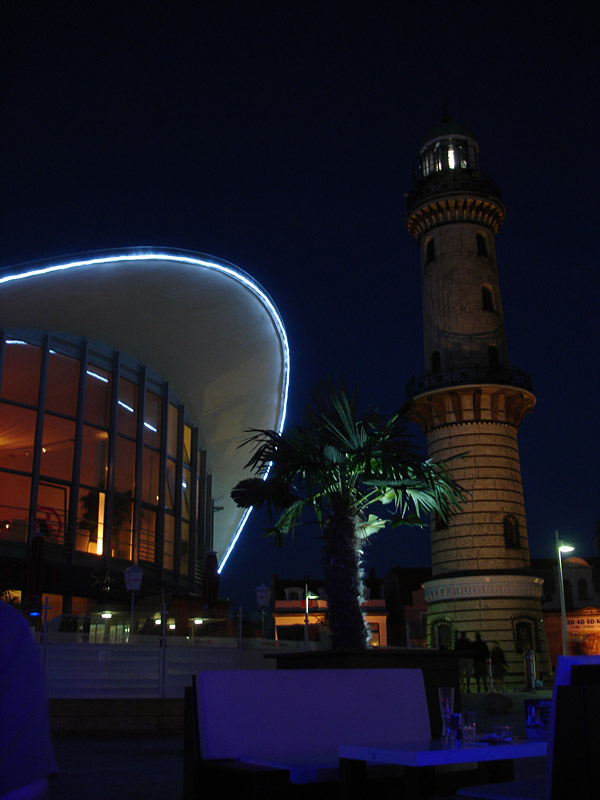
column 495, row 761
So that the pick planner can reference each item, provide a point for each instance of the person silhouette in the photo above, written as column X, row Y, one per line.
column 465, row 661
column 26, row 754
column 481, row 654
column 499, row 667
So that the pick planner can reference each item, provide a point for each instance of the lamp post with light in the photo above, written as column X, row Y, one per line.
column 263, row 598
column 133, row 582
column 308, row 596
column 561, row 548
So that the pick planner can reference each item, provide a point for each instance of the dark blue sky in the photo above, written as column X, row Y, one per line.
column 280, row 136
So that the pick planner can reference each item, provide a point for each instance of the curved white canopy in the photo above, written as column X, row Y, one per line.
column 201, row 323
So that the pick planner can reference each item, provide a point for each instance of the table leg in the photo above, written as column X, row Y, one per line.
column 353, row 778
column 418, row 782
column 496, row 771
column 415, row 783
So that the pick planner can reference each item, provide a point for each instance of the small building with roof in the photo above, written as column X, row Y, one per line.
column 582, row 604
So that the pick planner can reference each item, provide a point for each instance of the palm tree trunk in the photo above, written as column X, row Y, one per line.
column 340, row 558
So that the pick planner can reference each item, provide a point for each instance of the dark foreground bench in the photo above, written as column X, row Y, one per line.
column 268, row 730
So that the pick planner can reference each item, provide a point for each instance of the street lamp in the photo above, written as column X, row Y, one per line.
column 561, row 547
column 308, row 596
column 263, row 598
column 133, row 582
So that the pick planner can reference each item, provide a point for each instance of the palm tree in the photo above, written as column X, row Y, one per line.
column 338, row 464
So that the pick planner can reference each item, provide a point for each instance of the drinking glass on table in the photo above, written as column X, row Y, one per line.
column 446, row 697
column 503, row 733
column 469, row 727
column 455, row 738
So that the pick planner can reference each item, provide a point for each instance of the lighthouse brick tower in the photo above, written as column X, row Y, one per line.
column 470, row 404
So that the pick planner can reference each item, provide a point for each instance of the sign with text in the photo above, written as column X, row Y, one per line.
column 584, row 623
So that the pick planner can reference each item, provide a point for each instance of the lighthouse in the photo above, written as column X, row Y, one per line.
column 470, row 403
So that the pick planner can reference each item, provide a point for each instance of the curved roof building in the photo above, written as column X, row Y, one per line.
column 129, row 379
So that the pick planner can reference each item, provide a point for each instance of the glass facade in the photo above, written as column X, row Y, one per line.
column 98, row 455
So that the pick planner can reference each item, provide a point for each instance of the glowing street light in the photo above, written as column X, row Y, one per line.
column 308, row 596
column 561, row 547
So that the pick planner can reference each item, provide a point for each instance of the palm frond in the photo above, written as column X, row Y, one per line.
column 338, row 459
column 372, row 524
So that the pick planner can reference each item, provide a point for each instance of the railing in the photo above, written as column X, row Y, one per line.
column 446, row 181
column 506, row 376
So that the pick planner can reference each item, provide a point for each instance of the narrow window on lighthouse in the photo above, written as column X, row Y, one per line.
column 430, row 251
column 462, row 147
column 436, row 362
column 482, row 249
column 437, row 157
column 512, row 537
column 493, row 356
column 524, row 635
column 487, row 298
column 451, row 156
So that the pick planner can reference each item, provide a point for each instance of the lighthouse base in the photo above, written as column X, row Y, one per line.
column 504, row 608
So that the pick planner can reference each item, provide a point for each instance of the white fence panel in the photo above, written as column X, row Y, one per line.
column 183, row 662
column 80, row 669
column 98, row 670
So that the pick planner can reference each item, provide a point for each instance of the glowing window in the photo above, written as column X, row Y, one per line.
column 451, row 156
column 51, row 511
column 187, row 444
column 21, row 373
column 112, row 471
column 150, row 473
column 185, row 548
column 58, row 443
column 125, row 466
column 14, row 507
column 462, row 148
column 147, row 536
column 152, row 414
column 97, row 396
column 94, row 454
column 170, row 496
column 122, row 525
column 187, row 493
column 127, row 406
column 63, row 384
column 172, row 430
column 18, row 434
column 169, row 542
column 90, row 522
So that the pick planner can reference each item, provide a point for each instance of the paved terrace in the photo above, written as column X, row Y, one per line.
column 149, row 765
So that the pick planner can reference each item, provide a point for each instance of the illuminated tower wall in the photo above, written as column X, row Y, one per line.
column 470, row 403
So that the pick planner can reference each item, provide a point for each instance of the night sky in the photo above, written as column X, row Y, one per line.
column 280, row 136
